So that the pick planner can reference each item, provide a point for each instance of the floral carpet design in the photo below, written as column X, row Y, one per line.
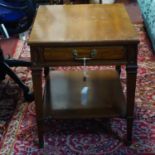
column 81, row 137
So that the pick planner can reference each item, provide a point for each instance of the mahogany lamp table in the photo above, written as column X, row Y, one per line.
column 68, row 35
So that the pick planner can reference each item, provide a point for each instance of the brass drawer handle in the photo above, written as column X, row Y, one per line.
column 77, row 57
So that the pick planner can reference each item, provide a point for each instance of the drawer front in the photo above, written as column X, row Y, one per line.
column 70, row 54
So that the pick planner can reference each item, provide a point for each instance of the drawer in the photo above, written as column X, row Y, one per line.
column 95, row 53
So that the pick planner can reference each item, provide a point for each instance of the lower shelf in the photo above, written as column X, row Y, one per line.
column 67, row 95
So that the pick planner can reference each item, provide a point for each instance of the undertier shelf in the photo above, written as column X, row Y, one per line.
column 68, row 95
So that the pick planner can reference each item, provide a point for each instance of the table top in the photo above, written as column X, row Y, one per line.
column 82, row 24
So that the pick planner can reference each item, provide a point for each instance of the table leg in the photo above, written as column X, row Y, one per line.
column 118, row 69
column 37, row 85
column 131, row 85
column 46, row 71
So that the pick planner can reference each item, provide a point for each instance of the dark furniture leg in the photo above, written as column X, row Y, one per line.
column 5, row 69
column 131, row 69
column 37, row 85
column 16, row 63
column 46, row 71
column 118, row 69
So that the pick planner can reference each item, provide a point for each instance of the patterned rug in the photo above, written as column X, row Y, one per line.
column 18, row 135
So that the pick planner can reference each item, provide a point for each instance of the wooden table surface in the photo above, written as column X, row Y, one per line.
column 65, row 24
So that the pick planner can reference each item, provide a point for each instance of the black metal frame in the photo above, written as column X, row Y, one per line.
column 5, row 69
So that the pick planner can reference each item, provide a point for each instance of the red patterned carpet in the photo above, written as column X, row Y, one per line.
column 80, row 137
